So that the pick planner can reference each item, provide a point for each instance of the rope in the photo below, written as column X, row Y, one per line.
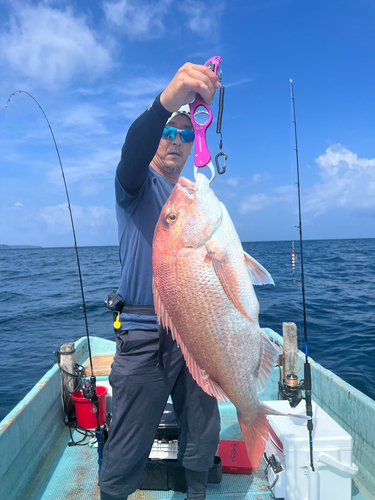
column 86, row 433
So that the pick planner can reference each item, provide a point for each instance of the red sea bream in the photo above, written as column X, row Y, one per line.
column 203, row 291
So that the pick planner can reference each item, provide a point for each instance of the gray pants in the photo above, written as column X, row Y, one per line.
column 140, row 392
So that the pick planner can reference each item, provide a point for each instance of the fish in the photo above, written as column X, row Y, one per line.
column 203, row 293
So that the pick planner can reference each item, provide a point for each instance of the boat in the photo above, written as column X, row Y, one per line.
column 37, row 463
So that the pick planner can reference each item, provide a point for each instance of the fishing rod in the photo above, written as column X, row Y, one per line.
column 307, row 369
column 89, row 389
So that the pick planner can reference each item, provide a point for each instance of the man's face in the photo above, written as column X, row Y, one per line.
column 173, row 153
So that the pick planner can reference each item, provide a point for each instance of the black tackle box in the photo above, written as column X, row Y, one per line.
column 168, row 474
column 168, row 428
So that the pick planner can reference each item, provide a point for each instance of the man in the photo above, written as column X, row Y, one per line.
column 148, row 365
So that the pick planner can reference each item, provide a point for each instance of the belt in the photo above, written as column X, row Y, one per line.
column 115, row 303
column 142, row 310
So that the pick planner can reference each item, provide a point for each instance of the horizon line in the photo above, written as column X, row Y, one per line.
column 25, row 246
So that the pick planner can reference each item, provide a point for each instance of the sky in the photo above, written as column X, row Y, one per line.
column 94, row 66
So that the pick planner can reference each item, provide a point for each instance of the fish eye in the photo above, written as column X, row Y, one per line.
column 172, row 217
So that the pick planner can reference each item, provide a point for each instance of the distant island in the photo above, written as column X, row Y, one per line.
column 4, row 247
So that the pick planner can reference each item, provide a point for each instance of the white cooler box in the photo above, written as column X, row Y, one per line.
column 332, row 453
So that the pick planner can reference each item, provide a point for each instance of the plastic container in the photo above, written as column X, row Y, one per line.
column 289, row 443
column 86, row 418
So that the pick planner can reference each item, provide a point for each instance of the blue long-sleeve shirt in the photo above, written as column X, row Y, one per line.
column 140, row 195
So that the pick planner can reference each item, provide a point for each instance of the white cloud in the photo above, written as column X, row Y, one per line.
column 51, row 225
column 52, row 46
column 89, row 172
column 254, row 203
column 138, row 19
column 143, row 86
column 201, row 17
column 58, row 220
column 146, row 19
column 337, row 157
column 259, row 201
column 238, row 83
column 85, row 116
column 233, row 181
column 140, row 94
column 57, row 217
column 348, row 181
column 133, row 108
column 260, row 177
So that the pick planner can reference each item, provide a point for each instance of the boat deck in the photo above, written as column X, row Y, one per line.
column 71, row 472
column 37, row 463
column 74, row 476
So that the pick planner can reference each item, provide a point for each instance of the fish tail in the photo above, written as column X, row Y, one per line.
column 256, row 428
column 255, row 434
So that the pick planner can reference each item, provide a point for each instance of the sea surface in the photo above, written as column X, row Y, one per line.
column 41, row 306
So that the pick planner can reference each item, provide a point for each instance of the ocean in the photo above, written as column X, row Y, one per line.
column 41, row 306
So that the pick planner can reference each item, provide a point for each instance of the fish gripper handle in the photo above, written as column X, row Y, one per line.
column 202, row 155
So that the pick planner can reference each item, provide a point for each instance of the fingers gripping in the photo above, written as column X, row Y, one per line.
column 189, row 80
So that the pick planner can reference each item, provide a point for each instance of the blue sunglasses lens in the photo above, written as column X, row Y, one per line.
column 187, row 135
column 171, row 132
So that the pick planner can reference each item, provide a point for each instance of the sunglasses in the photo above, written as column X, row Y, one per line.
column 171, row 132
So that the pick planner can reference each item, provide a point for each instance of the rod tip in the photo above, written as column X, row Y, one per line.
column 291, row 81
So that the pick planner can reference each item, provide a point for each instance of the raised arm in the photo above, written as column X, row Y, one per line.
column 144, row 135
column 140, row 146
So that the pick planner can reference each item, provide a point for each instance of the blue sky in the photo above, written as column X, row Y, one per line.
column 94, row 66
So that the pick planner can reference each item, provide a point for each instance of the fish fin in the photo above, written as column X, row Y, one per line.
column 199, row 375
column 227, row 276
column 294, row 415
column 255, row 434
column 270, row 411
column 267, row 363
column 258, row 275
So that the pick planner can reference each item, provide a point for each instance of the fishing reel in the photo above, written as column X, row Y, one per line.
column 291, row 390
column 89, row 391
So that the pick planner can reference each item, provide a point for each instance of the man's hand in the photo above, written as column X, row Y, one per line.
column 189, row 80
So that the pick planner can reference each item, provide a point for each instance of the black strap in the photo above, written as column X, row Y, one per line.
column 114, row 302
column 142, row 310
column 162, row 334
